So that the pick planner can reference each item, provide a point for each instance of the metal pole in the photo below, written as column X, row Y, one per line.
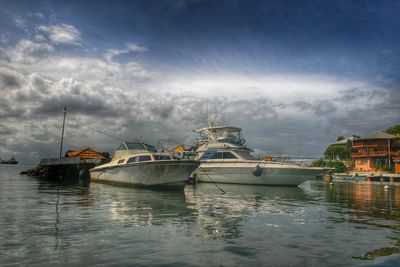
column 389, row 151
column 208, row 119
column 62, row 134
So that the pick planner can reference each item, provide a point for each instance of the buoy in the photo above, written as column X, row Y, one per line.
column 257, row 171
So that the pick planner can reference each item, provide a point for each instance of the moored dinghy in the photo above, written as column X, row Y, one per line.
column 141, row 164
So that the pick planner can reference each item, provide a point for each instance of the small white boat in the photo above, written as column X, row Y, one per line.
column 141, row 164
column 224, row 159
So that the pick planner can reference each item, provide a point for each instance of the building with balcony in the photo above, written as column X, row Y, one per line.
column 374, row 151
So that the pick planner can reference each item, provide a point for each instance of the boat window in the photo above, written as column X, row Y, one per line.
column 121, row 147
column 133, row 159
column 144, row 158
column 208, row 154
column 120, row 161
column 217, row 155
column 162, row 157
column 228, row 155
column 150, row 148
column 137, row 146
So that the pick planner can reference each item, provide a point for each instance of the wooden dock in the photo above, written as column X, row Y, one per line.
column 67, row 169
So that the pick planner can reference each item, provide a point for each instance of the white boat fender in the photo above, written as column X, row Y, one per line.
column 257, row 171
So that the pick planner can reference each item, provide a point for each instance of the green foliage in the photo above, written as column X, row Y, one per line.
column 381, row 166
column 395, row 129
column 340, row 138
column 338, row 152
column 337, row 165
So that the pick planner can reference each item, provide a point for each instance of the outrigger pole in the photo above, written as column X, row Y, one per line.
column 62, row 134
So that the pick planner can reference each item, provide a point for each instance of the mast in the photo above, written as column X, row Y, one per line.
column 389, row 151
column 208, row 119
column 62, row 134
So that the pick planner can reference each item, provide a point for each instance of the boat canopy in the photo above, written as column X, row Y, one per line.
column 221, row 134
column 136, row 146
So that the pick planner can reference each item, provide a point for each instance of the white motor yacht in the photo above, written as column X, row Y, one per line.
column 225, row 159
column 141, row 164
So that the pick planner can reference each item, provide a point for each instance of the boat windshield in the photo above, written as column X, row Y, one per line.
column 214, row 154
column 162, row 157
column 136, row 146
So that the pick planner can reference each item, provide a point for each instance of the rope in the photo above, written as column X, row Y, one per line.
column 223, row 192
column 94, row 129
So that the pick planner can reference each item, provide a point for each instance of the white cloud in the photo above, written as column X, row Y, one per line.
column 35, row 15
column 129, row 47
column 133, row 100
column 3, row 39
column 20, row 23
column 61, row 34
column 29, row 52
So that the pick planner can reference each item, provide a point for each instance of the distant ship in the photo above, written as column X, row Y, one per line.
column 10, row 161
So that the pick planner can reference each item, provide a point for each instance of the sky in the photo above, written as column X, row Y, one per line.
column 293, row 74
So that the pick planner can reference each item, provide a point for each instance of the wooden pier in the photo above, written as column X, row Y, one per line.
column 65, row 169
column 69, row 168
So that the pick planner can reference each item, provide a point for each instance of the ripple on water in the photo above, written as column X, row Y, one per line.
column 43, row 223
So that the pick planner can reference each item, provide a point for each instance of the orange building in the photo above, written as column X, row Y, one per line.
column 86, row 153
column 396, row 165
column 376, row 149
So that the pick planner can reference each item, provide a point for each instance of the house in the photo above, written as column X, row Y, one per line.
column 182, row 151
column 87, row 153
column 375, row 151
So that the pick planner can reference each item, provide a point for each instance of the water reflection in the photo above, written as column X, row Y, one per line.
column 47, row 224
column 144, row 206
column 367, row 199
column 365, row 202
column 221, row 215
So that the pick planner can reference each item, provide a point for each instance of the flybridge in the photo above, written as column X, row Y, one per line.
column 220, row 134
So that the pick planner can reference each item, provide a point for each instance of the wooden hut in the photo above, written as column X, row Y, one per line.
column 86, row 153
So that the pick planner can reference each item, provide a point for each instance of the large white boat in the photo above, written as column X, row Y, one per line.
column 141, row 164
column 225, row 159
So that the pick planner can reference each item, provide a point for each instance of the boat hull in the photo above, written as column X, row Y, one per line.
column 249, row 173
column 145, row 173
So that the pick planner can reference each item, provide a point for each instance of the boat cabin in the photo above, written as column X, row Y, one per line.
column 130, row 148
column 226, row 153
column 146, row 157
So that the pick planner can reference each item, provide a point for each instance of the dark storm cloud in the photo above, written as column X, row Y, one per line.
column 8, row 81
column 84, row 105
column 324, row 108
column 302, row 105
column 394, row 100
column 115, row 64
column 6, row 130
column 11, row 110
column 254, row 109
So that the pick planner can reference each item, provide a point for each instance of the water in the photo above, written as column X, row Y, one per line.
column 47, row 224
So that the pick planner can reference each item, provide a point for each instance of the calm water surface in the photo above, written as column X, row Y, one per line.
column 46, row 224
